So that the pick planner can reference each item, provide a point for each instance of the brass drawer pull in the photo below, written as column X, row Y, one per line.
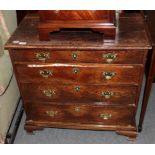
column 51, row 113
column 45, row 73
column 105, row 116
column 74, row 56
column 109, row 75
column 75, row 70
column 41, row 56
column 77, row 109
column 77, row 88
column 110, row 57
column 107, row 94
column 48, row 92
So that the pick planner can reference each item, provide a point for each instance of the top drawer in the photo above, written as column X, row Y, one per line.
column 49, row 56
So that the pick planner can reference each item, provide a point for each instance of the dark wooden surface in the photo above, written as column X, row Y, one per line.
column 82, row 108
column 150, row 19
column 85, row 114
column 103, row 21
column 85, row 93
column 131, row 35
column 106, row 15
column 22, row 13
column 87, row 74
column 150, row 70
column 76, row 56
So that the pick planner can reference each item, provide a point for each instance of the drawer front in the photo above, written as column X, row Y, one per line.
column 81, row 114
column 79, row 93
column 82, row 73
column 49, row 56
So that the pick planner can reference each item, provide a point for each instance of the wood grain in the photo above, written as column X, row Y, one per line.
column 82, row 108
column 86, row 114
column 87, row 74
column 93, row 94
column 80, row 56
column 102, row 21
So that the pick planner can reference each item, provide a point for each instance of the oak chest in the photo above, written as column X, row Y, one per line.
column 77, row 80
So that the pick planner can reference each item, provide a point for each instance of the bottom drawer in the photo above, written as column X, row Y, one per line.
column 81, row 113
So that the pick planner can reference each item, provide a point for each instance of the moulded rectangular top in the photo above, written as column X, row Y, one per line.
column 131, row 34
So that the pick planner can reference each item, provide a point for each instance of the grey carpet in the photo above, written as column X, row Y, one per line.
column 67, row 136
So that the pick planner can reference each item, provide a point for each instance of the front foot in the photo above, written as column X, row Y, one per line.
column 131, row 135
column 30, row 129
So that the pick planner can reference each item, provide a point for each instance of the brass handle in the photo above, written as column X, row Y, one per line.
column 48, row 92
column 42, row 56
column 75, row 70
column 108, row 75
column 77, row 88
column 110, row 57
column 77, row 109
column 45, row 73
column 105, row 116
column 74, row 55
column 107, row 94
column 51, row 113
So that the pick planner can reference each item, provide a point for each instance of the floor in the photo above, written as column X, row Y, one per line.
column 67, row 136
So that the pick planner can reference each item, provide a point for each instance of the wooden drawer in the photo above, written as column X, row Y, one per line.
column 80, row 93
column 81, row 73
column 49, row 56
column 81, row 114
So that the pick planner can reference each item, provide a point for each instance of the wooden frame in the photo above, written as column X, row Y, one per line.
column 102, row 21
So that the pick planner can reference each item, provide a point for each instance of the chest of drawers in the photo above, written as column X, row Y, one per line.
column 76, row 80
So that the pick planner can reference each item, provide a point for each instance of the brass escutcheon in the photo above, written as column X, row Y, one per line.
column 75, row 70
column 77, row 88
column 74, row 56
column 77, row 109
